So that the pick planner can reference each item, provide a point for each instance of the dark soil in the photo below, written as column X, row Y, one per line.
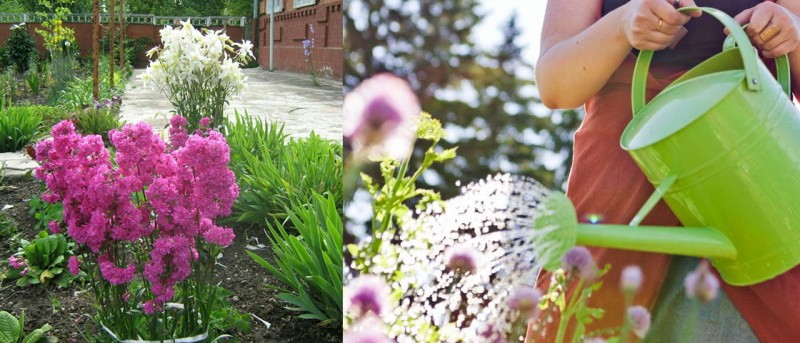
column 69, row 310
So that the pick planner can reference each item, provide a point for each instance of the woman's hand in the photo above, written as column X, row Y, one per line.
column 772, row 28
column 654, row 24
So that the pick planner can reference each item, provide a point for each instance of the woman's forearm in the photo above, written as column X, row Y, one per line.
column 571, row 71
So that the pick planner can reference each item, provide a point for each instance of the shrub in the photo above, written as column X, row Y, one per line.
column 99, row 120
column 195, row 71
column 148, row 211
column 272, row 171
column 18, row 127
column 21, row 48
column 62, row 72
column 310, row 264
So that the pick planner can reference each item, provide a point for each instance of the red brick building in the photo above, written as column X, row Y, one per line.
column 293, row 21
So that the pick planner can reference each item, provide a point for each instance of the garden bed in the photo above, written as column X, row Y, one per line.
column 69, row 310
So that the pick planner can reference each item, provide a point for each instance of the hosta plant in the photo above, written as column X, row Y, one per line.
column 198, row 71
column 42, row 261
column 12, row 330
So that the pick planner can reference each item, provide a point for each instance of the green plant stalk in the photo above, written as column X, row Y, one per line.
column 568, row 312
column 688, row 334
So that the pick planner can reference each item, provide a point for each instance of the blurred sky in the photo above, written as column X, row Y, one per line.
column 530, row 16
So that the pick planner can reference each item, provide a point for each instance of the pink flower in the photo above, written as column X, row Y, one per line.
column 55, row 227
column 367, row 293
column 74, row 265
column 525, row 300
column 380, row 117
column 16, row 263
column 219, row 236
column 205, row 122
column 640, row 320
column 463, row 259
column 580, row 260
column 631, row 279
column 366, row 336
column 701, row 283
column 113, row 274
column 23, row 272
column 170, row 263
column 177, row 132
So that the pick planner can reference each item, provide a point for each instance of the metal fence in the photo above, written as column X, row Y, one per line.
column 15, row 18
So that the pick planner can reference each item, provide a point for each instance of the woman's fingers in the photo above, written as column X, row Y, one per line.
column 780, row 50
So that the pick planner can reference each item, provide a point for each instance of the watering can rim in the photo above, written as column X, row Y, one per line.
column 732, row 80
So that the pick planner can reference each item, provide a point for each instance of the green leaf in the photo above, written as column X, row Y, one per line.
column 9, row 327
column 37, row 334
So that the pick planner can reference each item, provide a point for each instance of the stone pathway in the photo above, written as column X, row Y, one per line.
column 289, row 98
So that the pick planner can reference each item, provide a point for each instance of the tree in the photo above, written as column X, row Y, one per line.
column 486, row 99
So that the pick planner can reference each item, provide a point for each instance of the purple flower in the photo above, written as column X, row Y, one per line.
column 380, row 117
column 631, row 279
column 367, row 293
column 525, row 300
column 74, row 265
column 489, row 333
column 113, row 274
column 640, row 320
column 462, row 259
column 55, row 227
column 580, row 260
column 23, row 272
column 17, row 263
column 701, row 283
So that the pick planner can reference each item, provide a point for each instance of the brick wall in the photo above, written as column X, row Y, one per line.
column 83, row 36
column 292, row 27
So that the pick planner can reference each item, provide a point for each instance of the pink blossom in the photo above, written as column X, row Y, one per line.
column 631, row 279
column 74, row 265
column 55, row 227
column 463, row 259
column 367, row 293
column 579, row 259
column 380, row 117
column 219, row 236
column 204, row 122
column 701, row 283
column 640, row 320
column 177, row 132
column 17, row 263
column 24, row 271
column 525, row 300
column 113, row 274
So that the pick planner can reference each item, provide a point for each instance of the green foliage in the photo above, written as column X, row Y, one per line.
column 503, row 127
column 45, row 212
column 34, row 81
column 21, row 48
column 309, row 264
column 62, row 72
column 50, row 115
column 272, row 171
column 91, row 121
column 13, row 331
column 134, row 47
column 57, row 38
column 8, row 87
column 225, row 318
column 18, row 127
column 7, row 227
column 46, row 258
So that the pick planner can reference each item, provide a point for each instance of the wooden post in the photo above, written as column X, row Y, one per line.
column 111, row 21
column 121, row 36
column 96, row 50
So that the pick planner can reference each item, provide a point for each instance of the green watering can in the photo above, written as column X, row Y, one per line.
column 721, row 144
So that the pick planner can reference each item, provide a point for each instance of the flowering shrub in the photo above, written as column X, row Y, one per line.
column 57, row 38
column 196, row 72
column 147, row 214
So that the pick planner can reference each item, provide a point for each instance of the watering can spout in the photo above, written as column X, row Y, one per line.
column 687, row 241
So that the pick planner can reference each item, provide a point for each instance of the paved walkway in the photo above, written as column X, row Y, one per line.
column 289, row 98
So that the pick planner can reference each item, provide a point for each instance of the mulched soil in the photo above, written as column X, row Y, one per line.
column 68, row 310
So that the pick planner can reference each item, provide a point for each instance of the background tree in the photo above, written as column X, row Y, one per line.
column 487, row 99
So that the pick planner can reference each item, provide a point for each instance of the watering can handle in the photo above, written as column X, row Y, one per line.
column 781, row 66
column 639, row 84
